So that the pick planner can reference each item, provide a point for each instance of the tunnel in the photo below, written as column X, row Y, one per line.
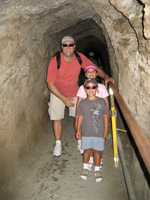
column 31, row 31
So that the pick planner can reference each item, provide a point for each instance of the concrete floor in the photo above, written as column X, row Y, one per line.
column 43, row 177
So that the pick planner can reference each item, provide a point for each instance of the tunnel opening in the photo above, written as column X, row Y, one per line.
column 93, row 44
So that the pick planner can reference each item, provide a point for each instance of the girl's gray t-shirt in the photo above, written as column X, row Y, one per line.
column 92, row 111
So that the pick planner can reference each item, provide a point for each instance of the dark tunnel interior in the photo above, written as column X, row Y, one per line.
column 92, row 44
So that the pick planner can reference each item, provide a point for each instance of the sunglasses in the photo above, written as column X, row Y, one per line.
column 68, row 45
column 90, row 87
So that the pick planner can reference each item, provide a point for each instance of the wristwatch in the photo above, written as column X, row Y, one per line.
column 105, row 76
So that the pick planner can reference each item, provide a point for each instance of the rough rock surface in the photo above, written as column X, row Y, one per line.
column 30, row 33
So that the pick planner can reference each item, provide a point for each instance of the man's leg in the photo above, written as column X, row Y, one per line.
column 57, row 128
column 56, row 112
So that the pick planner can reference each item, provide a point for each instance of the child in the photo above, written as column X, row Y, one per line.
column 92, row 117
column 90, row 72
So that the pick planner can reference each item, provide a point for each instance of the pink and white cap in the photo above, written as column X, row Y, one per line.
column 90, row 67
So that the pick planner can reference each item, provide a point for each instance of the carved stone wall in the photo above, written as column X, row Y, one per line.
column 30, row 33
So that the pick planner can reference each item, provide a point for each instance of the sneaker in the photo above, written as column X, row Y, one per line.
column 90, row 166
column 98, row 176
column 101, row 164
column 79, row 149
column 57, row 151
column 79, row 146
column 84, row 174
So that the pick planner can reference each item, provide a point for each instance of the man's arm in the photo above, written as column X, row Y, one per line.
column 86, row 61
column 106, row 78
column 67, row 100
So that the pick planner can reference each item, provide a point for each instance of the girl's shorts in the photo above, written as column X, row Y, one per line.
column 95, row 143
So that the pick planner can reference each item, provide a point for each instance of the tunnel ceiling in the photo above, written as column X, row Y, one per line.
column 51, row 18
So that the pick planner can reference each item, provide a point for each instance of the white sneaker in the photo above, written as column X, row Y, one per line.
column 90, row 166
column 79, row 146
column 79, row 149
column 101, row 164
column 57, row 151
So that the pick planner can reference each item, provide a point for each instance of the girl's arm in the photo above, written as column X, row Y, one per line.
column 105, row 134
column 107, row 102
column 79, row 124
column 76, row 116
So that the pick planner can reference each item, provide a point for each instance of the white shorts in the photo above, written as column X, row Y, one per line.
column 56, row 108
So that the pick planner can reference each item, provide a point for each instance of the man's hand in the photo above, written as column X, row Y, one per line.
column 68, row 102
column 107, row 79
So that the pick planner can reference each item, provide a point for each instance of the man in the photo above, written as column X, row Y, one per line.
column 91, row 57
column 63, row 86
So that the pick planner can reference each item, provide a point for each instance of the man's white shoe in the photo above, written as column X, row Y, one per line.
column 57, row 151
column 81, row 151
column 79, row 148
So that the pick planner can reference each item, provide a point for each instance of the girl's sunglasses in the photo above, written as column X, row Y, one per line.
column 90, row 87
column 68, row 45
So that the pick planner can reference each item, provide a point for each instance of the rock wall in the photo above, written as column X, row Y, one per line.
column 31, row 32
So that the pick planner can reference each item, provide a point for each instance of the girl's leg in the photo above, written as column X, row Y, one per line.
column 86, row 157
column 91, row 154
column 97, row 159
column 91, row 161
column 101, row 162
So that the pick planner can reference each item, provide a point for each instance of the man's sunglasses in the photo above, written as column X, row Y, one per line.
column 90, row 87
column 68, row 45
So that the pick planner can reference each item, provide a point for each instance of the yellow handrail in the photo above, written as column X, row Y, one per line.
column 139, row 137
column 114, row 131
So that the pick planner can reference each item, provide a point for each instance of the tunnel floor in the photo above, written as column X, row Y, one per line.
column 42, row 176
